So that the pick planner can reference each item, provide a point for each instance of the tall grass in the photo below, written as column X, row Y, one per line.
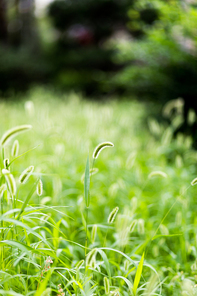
column 140, row 234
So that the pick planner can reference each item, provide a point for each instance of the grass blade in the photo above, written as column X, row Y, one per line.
column 44, row 283
column 22, row 247
column 126, row 281
column 107, row 265
column 87, row 182
column 166, row 235
column 138, row 275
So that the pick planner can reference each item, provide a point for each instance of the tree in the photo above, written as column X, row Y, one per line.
column 83, row 61
column 162, row 66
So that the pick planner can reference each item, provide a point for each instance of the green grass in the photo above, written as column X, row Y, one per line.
column 151, row 246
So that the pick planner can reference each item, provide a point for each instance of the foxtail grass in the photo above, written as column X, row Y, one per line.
column 7, row 136
column 157, row 173
column 11, row 183
column 39, row 188
column 106, row 285
column 15, row 149
column 112, row 215
column 26, row 174
column 194, row 182
column 87, row 175
column 93, row 233
column 100, row 147
column 6, row 163
column 2, row 189
column 91, row 258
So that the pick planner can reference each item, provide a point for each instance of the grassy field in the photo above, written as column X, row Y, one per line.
column 51, row 244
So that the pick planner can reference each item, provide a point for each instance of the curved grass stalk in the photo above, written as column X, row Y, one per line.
column 100, row 147
column 7, row 136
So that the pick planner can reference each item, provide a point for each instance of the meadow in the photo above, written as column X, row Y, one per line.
column 131, row 231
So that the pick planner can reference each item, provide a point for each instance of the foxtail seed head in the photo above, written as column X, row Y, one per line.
column 100, row 147
column 106, row 285
column 112, row 215
column 26, row 174
column 141, row 226
column 132, row 226
column 2, row 189
column 15, row 149
column 126, row 264
column 13, row 132
column 91, row 258
column 93, row 234
column 194, row 182
column 39, row 188
column 6, row 163
column 10, row 181
column 79, row 264
column 157, row 173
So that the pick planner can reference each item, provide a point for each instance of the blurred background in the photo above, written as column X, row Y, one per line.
column 144, row 50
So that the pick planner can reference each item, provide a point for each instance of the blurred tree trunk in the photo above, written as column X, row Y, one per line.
column 24, row 28
column 26, row 10
column 3, row 22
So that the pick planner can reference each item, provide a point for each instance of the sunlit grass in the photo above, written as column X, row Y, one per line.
column 148, row 248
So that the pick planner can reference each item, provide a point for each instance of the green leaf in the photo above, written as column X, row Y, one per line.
column 23, row 225
column 87, row 182
column 138, row 275
column 166, row 235
column 130, row 270
column 117, row 251
column 24, row 248
column 56, row 234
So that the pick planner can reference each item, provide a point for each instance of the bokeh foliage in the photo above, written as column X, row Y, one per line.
column 136, row 48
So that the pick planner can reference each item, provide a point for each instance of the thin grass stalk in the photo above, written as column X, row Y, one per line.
column 2, row 153
column 94, row 157
column 86, row 240
column 2, row 231
column 168, row 212
column 154, row 235
column 105, row 239
column 27, row 199
column 87, row 212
